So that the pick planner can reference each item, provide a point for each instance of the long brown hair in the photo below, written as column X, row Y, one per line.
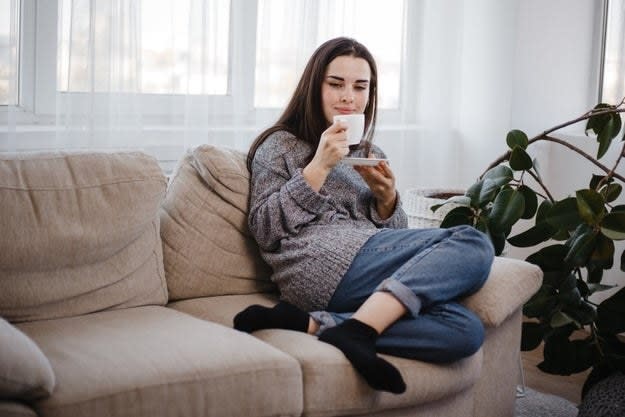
column 303, row 116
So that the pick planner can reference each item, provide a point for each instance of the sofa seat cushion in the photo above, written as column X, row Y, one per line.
column 80, row 233
column 154, row 361
column 331, row 385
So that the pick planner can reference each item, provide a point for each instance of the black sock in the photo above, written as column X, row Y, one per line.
column 282, row 316
column 357, row 341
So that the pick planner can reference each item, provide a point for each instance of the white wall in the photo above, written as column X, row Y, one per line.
column 556, row 65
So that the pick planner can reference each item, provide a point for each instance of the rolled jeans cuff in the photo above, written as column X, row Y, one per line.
column 323, row 319
column 403, row 294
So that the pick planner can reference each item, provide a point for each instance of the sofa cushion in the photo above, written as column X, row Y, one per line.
column 510, row 284
column 154, row 361
column 25, row 372
column 80, row 233
column 331, row 385
column 207, row 247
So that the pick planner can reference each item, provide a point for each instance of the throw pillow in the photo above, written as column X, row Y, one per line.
column 25, row 372
column 207, row 247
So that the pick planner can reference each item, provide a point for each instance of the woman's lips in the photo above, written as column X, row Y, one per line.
column 345, row 111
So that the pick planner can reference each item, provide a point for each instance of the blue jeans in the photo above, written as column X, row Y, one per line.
column 427, row 270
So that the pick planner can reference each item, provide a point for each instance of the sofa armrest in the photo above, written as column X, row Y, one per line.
column 510, row 284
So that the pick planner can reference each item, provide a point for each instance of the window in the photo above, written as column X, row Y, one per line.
column 9, row 51
column 231, row 56
column 149, row 46
column 613, row 77
column 283, row 23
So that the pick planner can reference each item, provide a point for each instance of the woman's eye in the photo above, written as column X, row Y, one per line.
column 335, row 85
column 360, row 87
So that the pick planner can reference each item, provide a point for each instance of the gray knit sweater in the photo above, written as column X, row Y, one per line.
column 310, row 238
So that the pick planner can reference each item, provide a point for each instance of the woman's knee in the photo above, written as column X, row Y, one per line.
column 478, row 253
column 465, row 341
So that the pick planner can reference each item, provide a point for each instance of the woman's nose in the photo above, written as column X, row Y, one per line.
column 347, row 97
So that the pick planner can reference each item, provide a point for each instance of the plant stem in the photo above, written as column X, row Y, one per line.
column 612, row 172
column 545, row 136
column 539, row 181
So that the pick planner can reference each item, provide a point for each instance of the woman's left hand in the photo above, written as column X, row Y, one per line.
column 381, row 181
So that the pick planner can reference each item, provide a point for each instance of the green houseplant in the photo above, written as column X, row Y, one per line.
column 574, row 237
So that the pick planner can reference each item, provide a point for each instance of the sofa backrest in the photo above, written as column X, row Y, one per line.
column 207, row 246
column 79, row 233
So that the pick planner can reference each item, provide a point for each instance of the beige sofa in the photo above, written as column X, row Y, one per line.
column 118, row 288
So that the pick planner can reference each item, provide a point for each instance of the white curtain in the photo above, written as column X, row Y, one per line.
column 450, row 90
column 142, row 74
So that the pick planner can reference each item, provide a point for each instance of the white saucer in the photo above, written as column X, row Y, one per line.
column 363, row 161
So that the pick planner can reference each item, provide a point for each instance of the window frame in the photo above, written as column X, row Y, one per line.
column 605, row 19
column 38, row 75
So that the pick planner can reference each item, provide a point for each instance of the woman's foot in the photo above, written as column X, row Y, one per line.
column 357, row 341
column 282, row 316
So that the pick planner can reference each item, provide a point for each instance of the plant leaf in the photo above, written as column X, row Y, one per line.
column 611, row 192
column 499, row 242
column 597, row 123
column 583, row 313
column 590, row 205
column 603, row 255
column 493, row 180
column 541, row 303
column 516, row 138
column 565, row 357
column 609, row 132
column 462, row 200
column 543, row 210
column 611, row 313
column 595, row 274
column 473, row 192
column 531, row 201
column 596, row 179
column 560, row 319
column 520, row 160
column 458, row 216
column 613, row 225
column 507, row 209
column 581, row 245
column 564, row 214
column 533, row 236
column 550, row 258
column 488, row 192
column 501, row 174
column 568, row 292
column 531, row 335
column 623, row 261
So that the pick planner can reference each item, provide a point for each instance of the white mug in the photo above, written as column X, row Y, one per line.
column 355, row 126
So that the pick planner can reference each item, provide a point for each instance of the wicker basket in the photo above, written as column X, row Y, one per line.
column 417, row 203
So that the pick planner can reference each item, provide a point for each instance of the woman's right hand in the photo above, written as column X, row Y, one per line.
column 332, row 148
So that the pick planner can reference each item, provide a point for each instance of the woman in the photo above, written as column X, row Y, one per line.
column 335, row 235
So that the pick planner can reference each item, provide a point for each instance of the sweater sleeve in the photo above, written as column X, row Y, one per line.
column 281, row 203
column 397, row 220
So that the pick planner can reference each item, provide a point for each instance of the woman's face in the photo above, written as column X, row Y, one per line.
column 345, row 88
